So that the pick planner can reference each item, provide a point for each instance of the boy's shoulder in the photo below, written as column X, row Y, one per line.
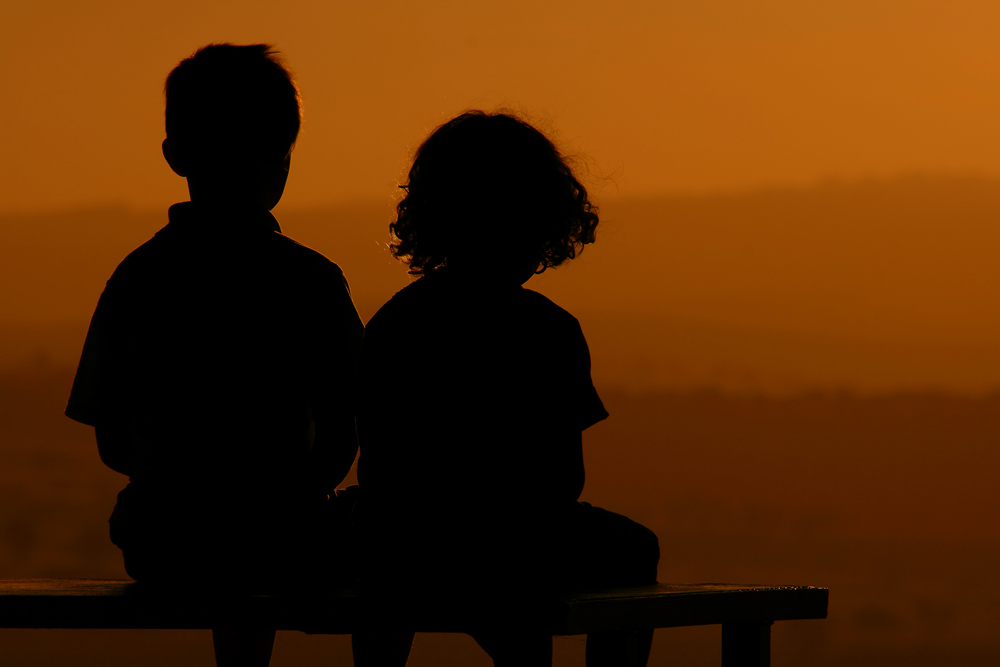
column 181, row 236
column 309, row 257
column 304, row 261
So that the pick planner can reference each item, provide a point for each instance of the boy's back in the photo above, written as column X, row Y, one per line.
column 215, row 347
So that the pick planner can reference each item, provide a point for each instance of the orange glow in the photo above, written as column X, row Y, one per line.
column 667, row 97
column 793, row 305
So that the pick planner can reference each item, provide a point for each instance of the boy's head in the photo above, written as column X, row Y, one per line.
column 490, row 189
column 232, row 117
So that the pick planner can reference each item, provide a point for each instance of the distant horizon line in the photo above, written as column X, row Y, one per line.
column 599, row 194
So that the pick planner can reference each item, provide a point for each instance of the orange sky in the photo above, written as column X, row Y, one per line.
column 661, row 97
column 665, row 96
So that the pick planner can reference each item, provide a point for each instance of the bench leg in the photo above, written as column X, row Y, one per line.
column 629, row 648
column 381, row 649
column 243, row 646
column 746, row 644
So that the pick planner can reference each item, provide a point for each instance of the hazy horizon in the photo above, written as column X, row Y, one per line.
column 874, row 286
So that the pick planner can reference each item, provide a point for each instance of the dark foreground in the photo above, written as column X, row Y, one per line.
column 888, row 501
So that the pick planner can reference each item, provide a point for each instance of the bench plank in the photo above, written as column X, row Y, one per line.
column 675, row 605
column 76, row 603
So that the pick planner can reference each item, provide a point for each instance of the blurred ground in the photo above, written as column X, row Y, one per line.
column 887, row 500
column 873, row 286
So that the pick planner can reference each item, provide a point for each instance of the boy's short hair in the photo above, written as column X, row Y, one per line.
column 232, row 107
column 490, row 184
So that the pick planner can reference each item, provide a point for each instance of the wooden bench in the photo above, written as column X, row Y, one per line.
column 745, row 612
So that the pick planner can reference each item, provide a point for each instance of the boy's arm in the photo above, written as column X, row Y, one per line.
column 341, row 331
column 335, row 448
column 96, row 387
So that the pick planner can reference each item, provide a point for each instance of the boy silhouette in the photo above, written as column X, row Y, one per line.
column 219, row 366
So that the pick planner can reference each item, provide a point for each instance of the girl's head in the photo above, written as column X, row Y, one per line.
column 488, row 189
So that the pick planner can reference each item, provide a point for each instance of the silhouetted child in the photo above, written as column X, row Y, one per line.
column 476, row 391
column 220, row 364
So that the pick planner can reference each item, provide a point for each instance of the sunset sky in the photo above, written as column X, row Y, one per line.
column 675, row 96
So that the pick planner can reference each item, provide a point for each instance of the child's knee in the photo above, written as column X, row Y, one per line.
column 648, row 554
column 649, row 546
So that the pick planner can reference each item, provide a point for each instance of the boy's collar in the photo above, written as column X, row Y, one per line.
column 233, row 219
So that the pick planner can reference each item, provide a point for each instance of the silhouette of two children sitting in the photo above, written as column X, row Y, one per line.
column 221, row 375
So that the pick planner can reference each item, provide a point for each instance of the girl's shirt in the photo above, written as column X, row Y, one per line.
column 463, row 387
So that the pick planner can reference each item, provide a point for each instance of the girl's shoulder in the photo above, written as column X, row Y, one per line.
column 545, row 308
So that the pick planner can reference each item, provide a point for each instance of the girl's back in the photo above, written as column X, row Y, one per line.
column 459, row 425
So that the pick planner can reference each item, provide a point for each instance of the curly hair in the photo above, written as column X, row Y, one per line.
column 485, row 185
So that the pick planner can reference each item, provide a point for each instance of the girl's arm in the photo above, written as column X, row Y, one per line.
column 114, row 447
column 565, row 476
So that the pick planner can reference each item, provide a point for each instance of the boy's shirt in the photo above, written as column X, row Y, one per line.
column 214, row 347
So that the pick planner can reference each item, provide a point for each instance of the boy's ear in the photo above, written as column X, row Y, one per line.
column 168, row 155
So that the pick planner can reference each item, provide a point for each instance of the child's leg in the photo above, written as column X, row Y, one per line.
column 381, row 649
column 513, row 649
column 608, row 549
column 619, row 649
column 243, row 647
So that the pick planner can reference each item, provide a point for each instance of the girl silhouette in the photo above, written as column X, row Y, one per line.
column 476, row 390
